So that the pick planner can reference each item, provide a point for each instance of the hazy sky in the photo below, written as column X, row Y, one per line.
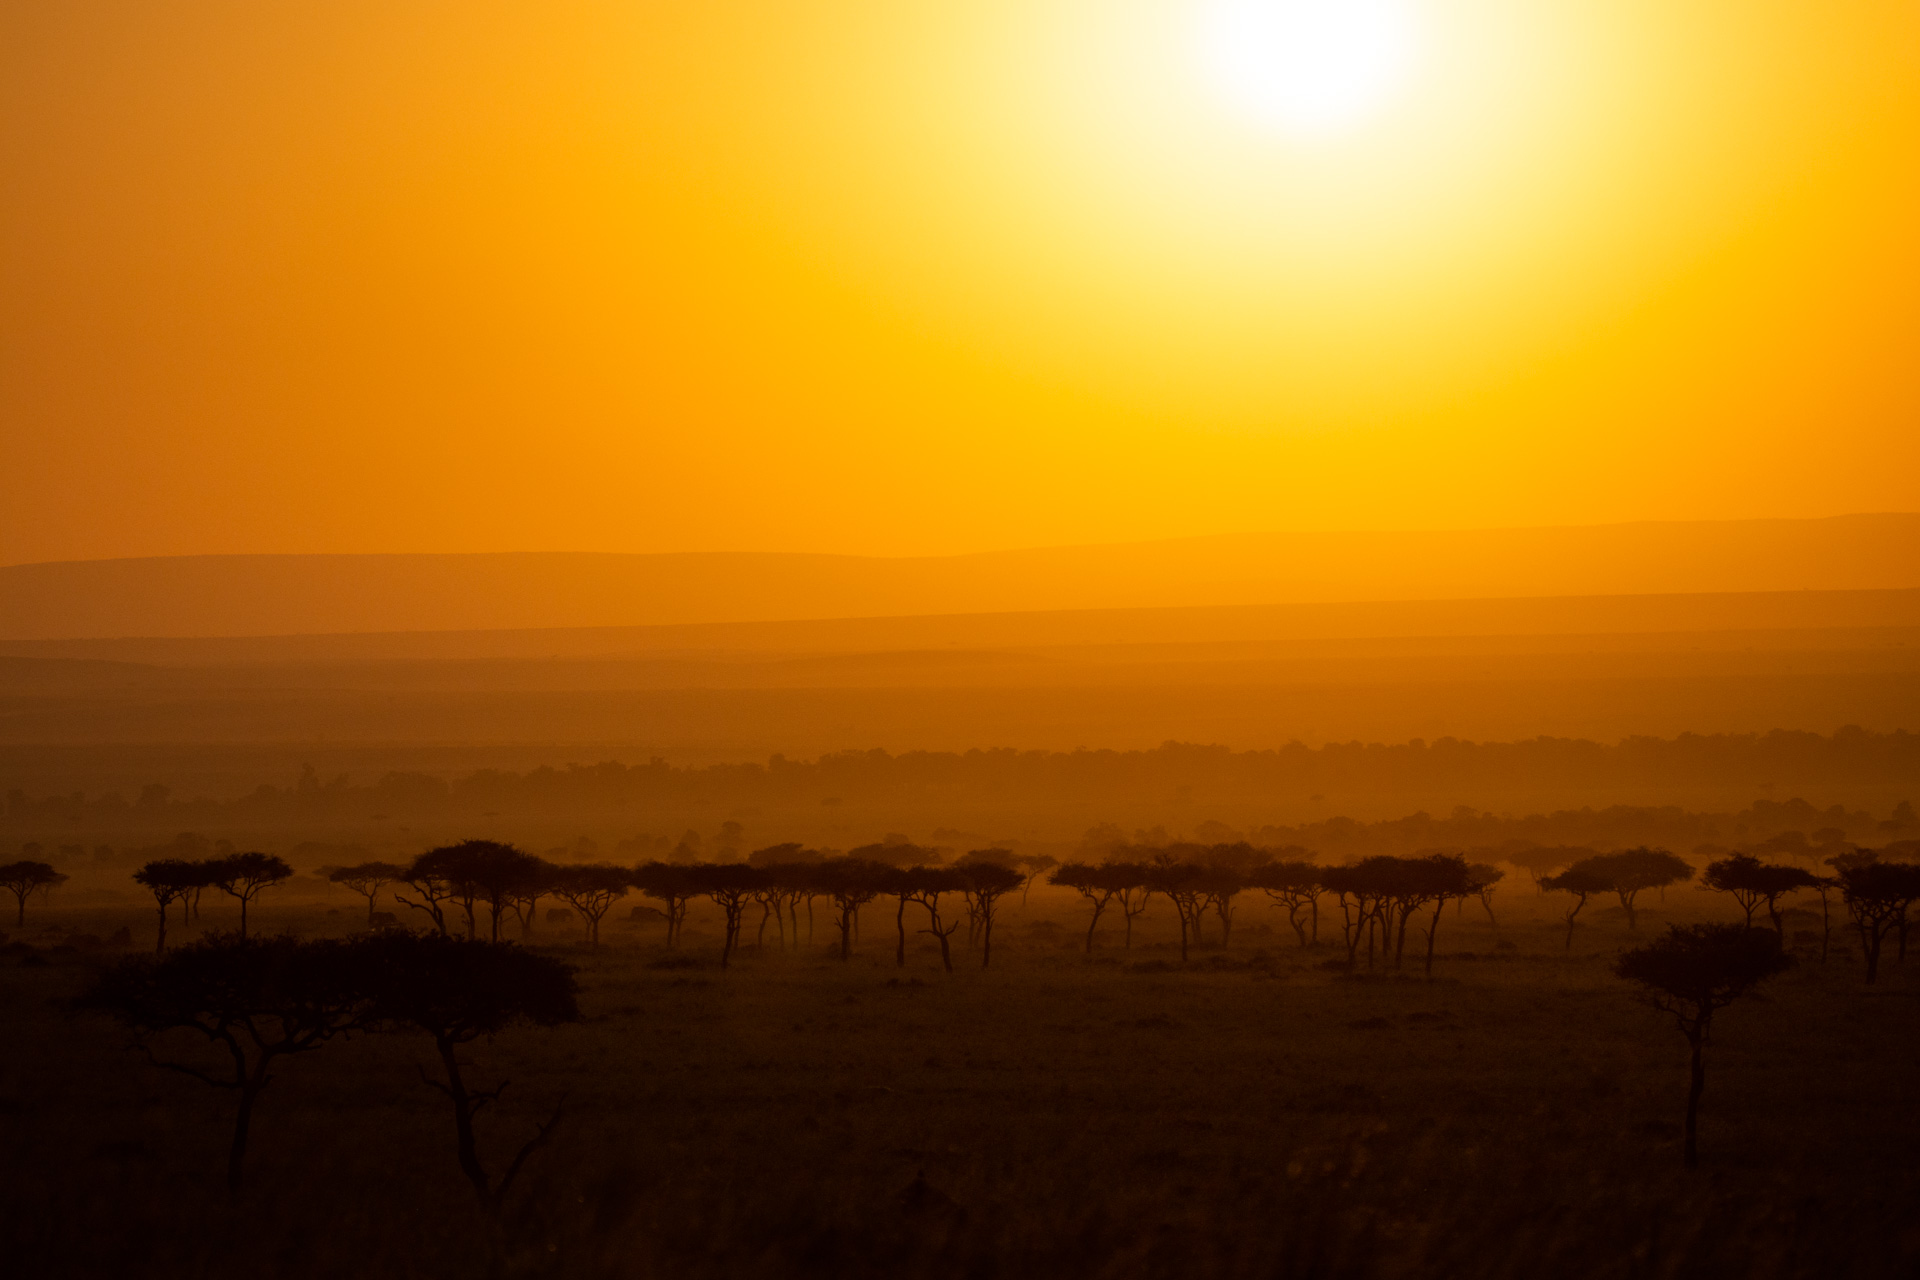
column 854, row 275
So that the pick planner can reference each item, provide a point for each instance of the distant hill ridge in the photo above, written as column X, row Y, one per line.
column 247, row 595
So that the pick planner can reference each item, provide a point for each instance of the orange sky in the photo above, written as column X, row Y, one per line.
column 854, row 275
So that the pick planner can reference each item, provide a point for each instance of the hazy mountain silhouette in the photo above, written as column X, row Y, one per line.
column 279, row 595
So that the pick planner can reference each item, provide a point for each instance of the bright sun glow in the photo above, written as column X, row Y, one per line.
column 1309, row 68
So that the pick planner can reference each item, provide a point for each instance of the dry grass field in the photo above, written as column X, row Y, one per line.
column 1254, row 1113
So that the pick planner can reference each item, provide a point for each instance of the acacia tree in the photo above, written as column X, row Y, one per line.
column 1754, row 883
column 984, row 884
column 169, row 880
column 1032, row 867
column 490, row 873
column 458, row 990
column 672, row 885
column 1131, row 891
column 258, row 999
column 1582, row 880
column 1097, row 885
column 1485, row 878
column 24, row 879
column 1219, row 885
column 592, row 891
column 1364, row 891
column 206, row 875
column 1296, row 886
column 1179, row 883
column 246, row 875
column 851, row 883
column 367, row 879
column 433, row 878
column 1437, row 879
column 1691, row 973
column 1878, row 896
column 928, row 884
column 1632, row 871
column 788, row 884
column 524, row 891
column 731, row 886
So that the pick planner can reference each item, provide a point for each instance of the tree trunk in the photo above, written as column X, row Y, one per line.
column 463, row 1126
column 1431, row 931
column 900, row 923
column 1092, row 925
column 161, row 947
column 20, row 916
column 1570, row 918
column 986, row 941
column 1697, row 1084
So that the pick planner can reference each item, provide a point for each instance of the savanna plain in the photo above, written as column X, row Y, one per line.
column 1260, row 1109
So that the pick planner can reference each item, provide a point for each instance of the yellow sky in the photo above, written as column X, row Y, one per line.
column 854, row 275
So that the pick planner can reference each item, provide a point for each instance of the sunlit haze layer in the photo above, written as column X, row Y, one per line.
column 894, row 279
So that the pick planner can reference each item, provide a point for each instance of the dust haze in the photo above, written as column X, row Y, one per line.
column 1133, row 940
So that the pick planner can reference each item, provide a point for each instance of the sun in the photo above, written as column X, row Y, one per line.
column 1308, row 68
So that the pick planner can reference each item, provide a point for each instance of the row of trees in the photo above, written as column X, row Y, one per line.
column 476, row 884
column 244, row 876
column 472, row 887
column 1378, row 897
column 257, row 1001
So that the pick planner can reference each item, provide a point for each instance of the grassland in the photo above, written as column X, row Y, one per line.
column 1254, row 1113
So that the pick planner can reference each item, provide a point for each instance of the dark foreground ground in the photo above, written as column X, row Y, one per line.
column 1251, row 1114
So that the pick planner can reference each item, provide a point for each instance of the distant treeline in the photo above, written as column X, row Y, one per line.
column 1789, row 760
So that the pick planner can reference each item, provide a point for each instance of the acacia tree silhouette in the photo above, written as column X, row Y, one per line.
column 1691, row 973
column 928, row 884
column 245, row 876
column 1097, row 885
column 732, row 886
column 851, row 883
column 1218, row 886
column 1878, row 896
column 1485, row 878
column 1438, row 878
column 1179, row 883
column 169, row 880
column 1364, row 890
column 787, row 883
column 1132, row 892
column 672, row 885
column 985, row 882
column 1754, row 883
column 260, row 999
column 592, row 891
column 486, row 871
column 1583, row 879
column 24, row 879
column 1631, row 871
column 457, row 990
column 1295, row 885
column 367, row 879
column 524, row 891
